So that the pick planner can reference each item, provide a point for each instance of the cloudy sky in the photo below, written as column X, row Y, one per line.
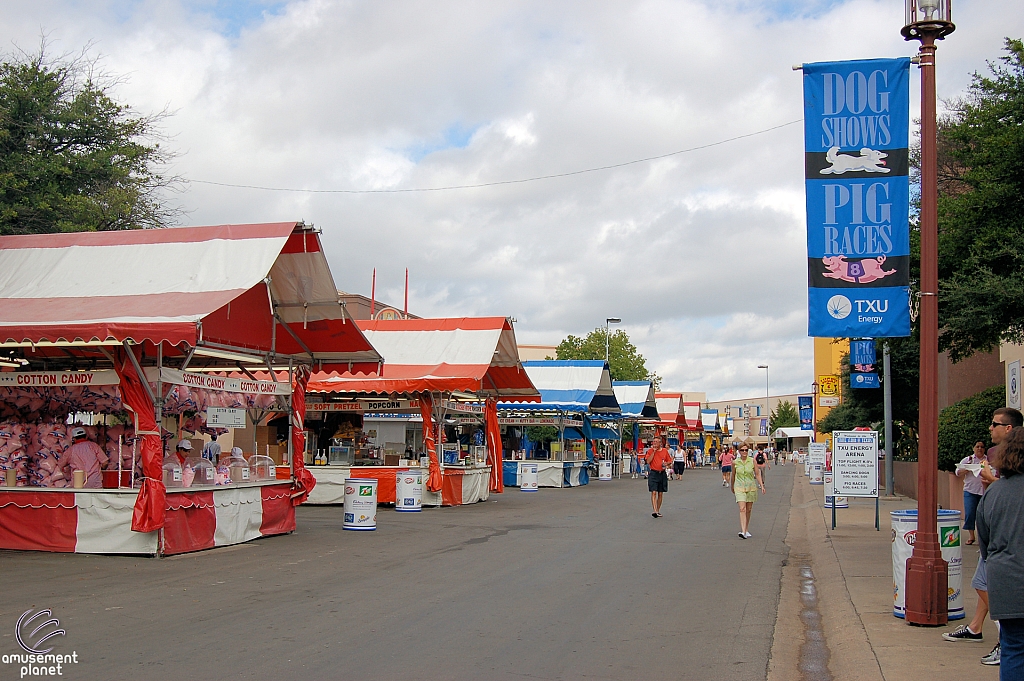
column 702, row 254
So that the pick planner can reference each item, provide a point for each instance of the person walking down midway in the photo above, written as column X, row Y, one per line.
column 658, row 459
column 1000, row 518
column 744, row 482
column 727, row 459
column 679, row 462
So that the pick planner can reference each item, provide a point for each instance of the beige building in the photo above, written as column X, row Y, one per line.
column 749, row 415
column 536, row 352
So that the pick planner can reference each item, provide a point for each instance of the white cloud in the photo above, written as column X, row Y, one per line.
column 701, row 254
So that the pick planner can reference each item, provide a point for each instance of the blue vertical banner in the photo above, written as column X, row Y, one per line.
column 856, row 139
column 806, row 413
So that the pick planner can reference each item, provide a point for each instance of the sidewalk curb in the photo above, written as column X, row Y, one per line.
column 851, row 657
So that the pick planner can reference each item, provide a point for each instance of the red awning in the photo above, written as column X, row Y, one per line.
column 214, row 285
column 474, row 355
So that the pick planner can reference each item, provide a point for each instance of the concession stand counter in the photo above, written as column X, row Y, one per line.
column 111, row 332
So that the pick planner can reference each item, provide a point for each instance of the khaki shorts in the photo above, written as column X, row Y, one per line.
column 749, row 497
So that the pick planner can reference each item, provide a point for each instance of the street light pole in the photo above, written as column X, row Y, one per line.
column 926, row 595
column 609, row 320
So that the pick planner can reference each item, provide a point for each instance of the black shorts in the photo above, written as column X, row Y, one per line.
column 727, row 469
column 657, row 481
column 678, row 467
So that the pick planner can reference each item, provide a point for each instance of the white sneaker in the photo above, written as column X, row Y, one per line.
column 992, row 658
column 747, row 535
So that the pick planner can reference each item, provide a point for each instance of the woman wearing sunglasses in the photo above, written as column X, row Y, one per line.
column 744, row 481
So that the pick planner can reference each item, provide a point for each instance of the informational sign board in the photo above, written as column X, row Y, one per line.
column 856, row 141
column 855, row 463
column 816, row 453
column 225, row 417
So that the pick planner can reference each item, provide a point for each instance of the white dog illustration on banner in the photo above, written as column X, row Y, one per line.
column 870, row 161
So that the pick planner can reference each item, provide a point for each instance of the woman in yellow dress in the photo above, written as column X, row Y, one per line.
column 744, row 481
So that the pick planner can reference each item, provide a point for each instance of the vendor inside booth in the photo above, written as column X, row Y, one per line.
column 148, row 343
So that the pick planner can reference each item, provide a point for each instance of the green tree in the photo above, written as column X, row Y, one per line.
column 865, row 407
column 625, row 361
column 784, row 416
column 966, row 422
column 71, row 157
column 981, row 211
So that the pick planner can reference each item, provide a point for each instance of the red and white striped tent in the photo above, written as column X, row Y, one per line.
column 670, row 410
column 473, row 355
column 198, row 296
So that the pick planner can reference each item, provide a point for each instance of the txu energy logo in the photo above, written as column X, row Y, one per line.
column 32, row 634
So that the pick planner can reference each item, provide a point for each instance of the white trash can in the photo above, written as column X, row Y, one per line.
column 360, row 504
column 807, row 467
column 627, row 464
column 409, row 491
column 604, row 469
column 830, row 498
column 904, row 532
column 527, row 477
column 817, row 474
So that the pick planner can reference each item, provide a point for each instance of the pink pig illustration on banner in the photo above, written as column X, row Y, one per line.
column 858, row 271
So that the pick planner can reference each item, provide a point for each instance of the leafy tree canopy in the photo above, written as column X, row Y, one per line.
column 981, row 211
column 71, row 157
column 625, row 361
column 966, row 422
column 784, row 416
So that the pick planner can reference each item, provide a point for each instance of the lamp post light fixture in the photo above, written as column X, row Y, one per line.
column 767, row 409
column 609, row 320
column 926, row 595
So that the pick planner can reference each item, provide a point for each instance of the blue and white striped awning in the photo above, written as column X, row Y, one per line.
column 582, row 386
column 636, row 399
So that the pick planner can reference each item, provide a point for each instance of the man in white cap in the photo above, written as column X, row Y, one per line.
column 183, row 451
column 83, row 455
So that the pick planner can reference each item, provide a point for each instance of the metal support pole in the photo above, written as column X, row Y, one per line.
column 887, row 397
column 927, row 582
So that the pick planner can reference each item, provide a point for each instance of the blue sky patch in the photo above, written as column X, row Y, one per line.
column 234, row 15
column 456, row 136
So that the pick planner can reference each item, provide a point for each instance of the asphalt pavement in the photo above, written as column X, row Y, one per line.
column 561, row 584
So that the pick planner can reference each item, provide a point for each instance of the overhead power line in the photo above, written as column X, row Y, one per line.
column 498, row 182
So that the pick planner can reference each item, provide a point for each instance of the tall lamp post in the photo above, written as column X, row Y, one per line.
column 767, row 409
column 926, row 597
column 609, row 320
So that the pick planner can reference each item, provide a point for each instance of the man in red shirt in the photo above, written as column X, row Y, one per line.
column 658, row 459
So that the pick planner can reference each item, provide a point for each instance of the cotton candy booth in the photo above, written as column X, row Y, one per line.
column 116, row 347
